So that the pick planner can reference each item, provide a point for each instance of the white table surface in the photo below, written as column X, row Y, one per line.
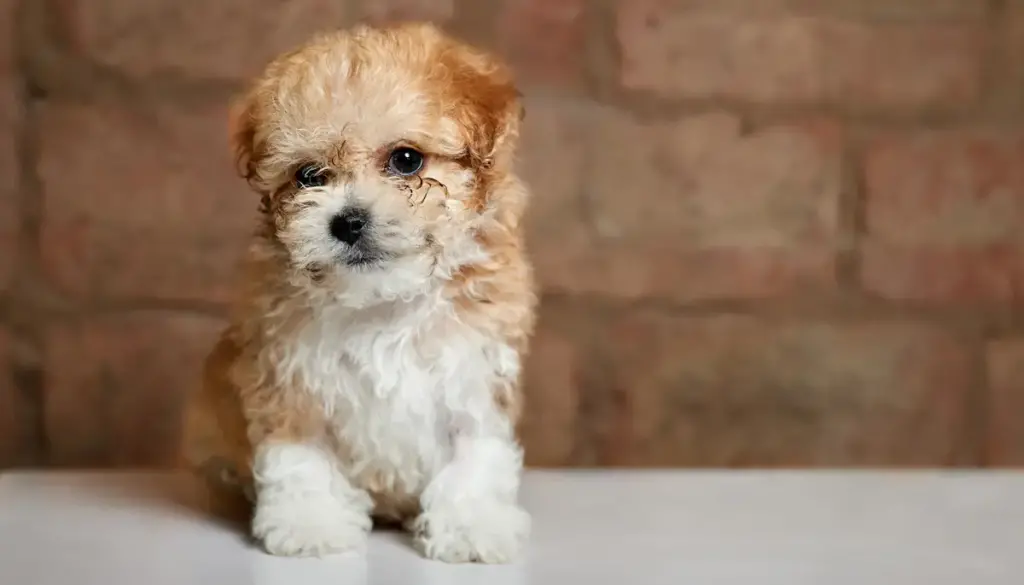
column 594, row 528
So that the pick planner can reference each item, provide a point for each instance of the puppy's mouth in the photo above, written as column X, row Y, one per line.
column 354, row 261
column 363, row 260
column 365, row 256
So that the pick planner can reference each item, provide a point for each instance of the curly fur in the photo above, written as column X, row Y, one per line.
column 343, row 391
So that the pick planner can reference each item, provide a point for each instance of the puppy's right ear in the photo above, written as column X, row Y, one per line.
column 242, row 127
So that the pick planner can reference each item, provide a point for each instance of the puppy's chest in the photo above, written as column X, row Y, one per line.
column 397, row 384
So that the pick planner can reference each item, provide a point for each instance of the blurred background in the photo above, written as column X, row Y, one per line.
column 769, row 232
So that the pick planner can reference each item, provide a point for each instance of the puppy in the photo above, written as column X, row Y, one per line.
column 372, row 365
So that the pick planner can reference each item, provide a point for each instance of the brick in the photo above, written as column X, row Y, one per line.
column 551, row 163
column 9, row 116
column 1014, row 49
column 7, row 15
column 678, row 52
column 944, row 215
column 699, row 208
column 903, row 65
column 142, row 204
column 550, row 386
column 10, row 416
column 733, row 391
column 116, row 384
column 382, row 11
column 225, row 39
column 1006, row 403
column 8, row 189
column 944, row 275
column 544, row 39
column 20, row 397
column 910, row 10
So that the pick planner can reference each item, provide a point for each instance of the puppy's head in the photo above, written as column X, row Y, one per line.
column 375, row 150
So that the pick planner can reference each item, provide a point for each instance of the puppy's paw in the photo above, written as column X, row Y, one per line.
column 314, row 526
column 473, row 532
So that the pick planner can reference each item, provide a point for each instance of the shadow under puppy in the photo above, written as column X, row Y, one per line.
column 372, row 363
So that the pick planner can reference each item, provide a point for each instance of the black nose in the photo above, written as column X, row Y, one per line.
column 348, row 225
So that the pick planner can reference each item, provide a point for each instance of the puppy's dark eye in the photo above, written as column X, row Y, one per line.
column 405, row 161
column 310, row 176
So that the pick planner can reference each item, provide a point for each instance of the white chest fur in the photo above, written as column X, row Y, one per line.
column 398, row 382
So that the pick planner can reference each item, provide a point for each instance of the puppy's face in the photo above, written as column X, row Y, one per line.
column 375, row 150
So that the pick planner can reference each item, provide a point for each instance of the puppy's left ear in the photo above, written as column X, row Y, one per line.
column 505, row 122
column 491, row 112
column 499, row 135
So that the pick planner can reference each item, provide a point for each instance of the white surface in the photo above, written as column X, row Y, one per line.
column 758, row 528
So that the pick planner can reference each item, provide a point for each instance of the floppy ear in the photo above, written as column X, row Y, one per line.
column 500, row 112
column 242, row 127
column 508, row 119
column 489, row 107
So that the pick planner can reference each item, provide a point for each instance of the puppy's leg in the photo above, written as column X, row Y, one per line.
column 470, row 513
column 305, row 506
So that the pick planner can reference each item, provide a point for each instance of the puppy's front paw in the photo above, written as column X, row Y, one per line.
column 313, row 526
column 481, row 532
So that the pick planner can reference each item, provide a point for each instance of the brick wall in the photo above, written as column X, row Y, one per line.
column 770, row 232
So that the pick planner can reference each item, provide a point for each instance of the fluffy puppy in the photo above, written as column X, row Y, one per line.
column 371, row 368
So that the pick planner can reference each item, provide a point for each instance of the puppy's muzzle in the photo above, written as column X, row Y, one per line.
column 353, row 227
